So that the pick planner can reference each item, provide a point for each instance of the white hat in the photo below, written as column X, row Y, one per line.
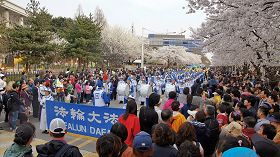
column 192, row 113
column 57, row 123
column 131, row 97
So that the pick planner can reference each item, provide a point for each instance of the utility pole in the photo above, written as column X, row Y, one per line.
column 142, row 54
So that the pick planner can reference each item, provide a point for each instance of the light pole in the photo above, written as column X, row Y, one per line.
column 142, row 54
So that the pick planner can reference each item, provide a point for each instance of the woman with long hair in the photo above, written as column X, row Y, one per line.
column 131, row 121
column 187, row 132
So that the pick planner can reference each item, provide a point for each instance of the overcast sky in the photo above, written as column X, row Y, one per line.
column 157, row 16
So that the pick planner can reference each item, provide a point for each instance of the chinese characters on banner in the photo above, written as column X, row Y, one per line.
column 82, row 119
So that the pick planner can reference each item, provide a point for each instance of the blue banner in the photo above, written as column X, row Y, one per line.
column 82, row 119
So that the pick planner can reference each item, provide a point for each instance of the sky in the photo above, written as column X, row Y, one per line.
column 156, row 16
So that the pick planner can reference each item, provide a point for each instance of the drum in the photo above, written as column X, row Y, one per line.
column 145, row 90
column 169, row 88
column 123, row 89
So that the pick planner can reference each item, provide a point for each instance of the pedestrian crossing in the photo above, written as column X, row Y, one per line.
column 6, row 139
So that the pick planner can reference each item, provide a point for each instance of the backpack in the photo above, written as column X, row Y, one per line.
column 9, row 102
column 64, row 149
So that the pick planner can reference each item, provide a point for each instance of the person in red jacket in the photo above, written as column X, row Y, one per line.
column 131, row 121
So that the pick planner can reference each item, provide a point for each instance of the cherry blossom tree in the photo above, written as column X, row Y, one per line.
column 240, row 32
column 172, row 55
column 120, row 45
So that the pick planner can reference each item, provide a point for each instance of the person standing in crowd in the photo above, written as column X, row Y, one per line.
column 131, row 121
column 21, row 147
column 78, row 90
column 143, row 145
column 213, row 130
column 197, row 99
column 186, row 132
column 2, row 94
column 87, row 91
column 263, row 96
column 232, row 146
column 147, row 115
column 100, row 97
column 182, row 98
column 222, row 117
column 35, row 100
column 13, row 104
column 120, row 130
column 248, row 103
column 172, row 97
column 43, row 119
column 234, row 128
column 272, row 101
column 115, row 85
column 178, row 118
column 248, row 130
column 108, row 145
column 187, row 106
column 188, row 149
column 164, row 138
column 26, row 97
column 57, row 146
column 262, row 118
column 275, row 121
column 166, row 116
column 263, row 143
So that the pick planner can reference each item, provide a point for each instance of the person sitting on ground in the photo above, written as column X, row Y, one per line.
column 108, row 145
column 178, row 118
column 143, row 145
column 22, row 142
column 187, row 133
column 120, row 130
column 131, row 121
column 188, row 149
column 171, row 98
column 164, row 138
column 148, row 116
column 58, row 146
column 166, row 116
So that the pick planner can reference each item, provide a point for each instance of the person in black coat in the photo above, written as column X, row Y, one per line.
column 35, row 101
column 148, row 116
column 13, row 105
column 212, row 131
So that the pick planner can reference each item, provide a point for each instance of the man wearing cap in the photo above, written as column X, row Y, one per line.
column 142, row 145
column 275, row 120
column 100, row 97
column 57, row 146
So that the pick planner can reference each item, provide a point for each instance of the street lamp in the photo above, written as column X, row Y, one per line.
column 142, row 54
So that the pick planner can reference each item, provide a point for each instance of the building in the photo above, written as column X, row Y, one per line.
column 159, row 40
column 11, row 14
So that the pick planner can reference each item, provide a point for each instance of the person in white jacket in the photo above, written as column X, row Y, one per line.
column 43, row 120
